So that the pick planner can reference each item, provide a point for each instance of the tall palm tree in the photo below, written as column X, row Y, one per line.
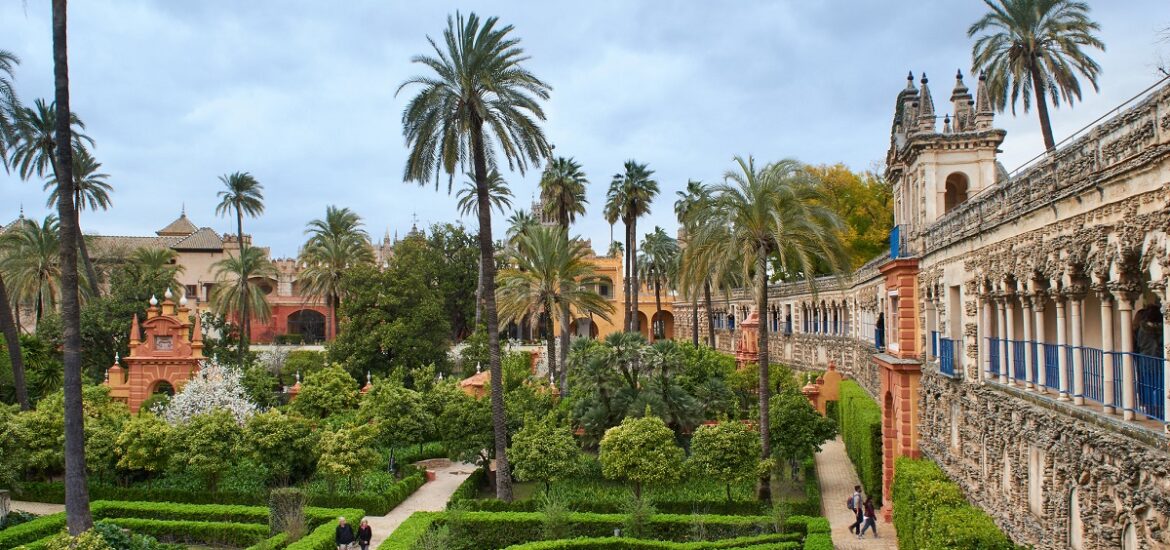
column 500, row 197
column 690, row 209
column 89, row 188
column 658, row 266
column 562, row 193
column 519, row 223
column 235, row 294
column 336, row 243
column 9, row 104
column 616, row 249
column 77, row 514
column 629, row 197
column 544, row 277
column 1037, row 47
column 33, row 153
column 242, row 194
column 32, row 264
column 768, row 215
column 151, row 266
column 480, row 98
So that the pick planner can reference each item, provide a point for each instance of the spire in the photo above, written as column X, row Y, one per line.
column 134, row 334
column 910, row 81
column 926, row 108
column 983, row 112
column 962, row 104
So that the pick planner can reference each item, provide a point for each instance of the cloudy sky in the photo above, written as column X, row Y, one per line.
column 302, row 95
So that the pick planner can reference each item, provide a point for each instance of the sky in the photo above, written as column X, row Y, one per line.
column 303, row 96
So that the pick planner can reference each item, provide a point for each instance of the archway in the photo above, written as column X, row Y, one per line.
column 583, row 327
column 643, row 325
column 161, row 387
column 956, row 191
column 663, row 325
column 308, row 323
column 1076, row 528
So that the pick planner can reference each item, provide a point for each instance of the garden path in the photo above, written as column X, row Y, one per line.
column 38, row 508
column 837, row 478
column 431, row 497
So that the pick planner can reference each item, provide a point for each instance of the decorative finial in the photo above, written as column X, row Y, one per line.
column 924, row 79
column 22, row 210
column 982, row 75
column 168, row 294
column 117, row 359
column 183, row 300
column 298, row 377
column 440, row 377
column 153, row 300
column 367, row 377
column 477, row 368
column 959, row 74
column 910, row 76
column 183, row 211
column 107, row 376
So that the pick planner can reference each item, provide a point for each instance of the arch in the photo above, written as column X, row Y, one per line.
column 308, row 323
column 643, row 325
column 162, row 386
column 663, row 325
column 583, row 327
column 604, row 287
column 265, row 284
column 1129, row 539
column 956, row 191
column 1076, row 528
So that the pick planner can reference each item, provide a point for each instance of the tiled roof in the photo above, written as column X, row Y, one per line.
column 202, row 239
column 113, row 245
column 181, row 227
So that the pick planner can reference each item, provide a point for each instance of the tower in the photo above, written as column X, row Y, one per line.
column 165, row 352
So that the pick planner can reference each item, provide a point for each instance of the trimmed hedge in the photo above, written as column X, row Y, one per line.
column 320, row 538
column 930, row 511
column 468, row 490
column 415, row 526
column 197, row 532
column 770, row 542
column 32, row 531
column 859, row 419
column 280, row 540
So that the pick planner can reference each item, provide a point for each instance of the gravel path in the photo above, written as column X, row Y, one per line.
column 38, row 508
column 431, row 497
column 837, row 478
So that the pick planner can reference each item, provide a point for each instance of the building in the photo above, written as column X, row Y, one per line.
column 1016, row 331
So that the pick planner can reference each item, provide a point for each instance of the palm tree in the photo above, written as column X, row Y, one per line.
column 628, row 199
column 615, row 249
column 544, row 277
column 33, row 153
column 562, row 191
column 234, row 294
column 147, row 266
column 519, row 223
column 690, row 209
column 768, row 215
column 658, row 266
column 500, row 197
column 480, row 94
column 336, row 243
column 9, row 104
column 89, row 188
column 77, row 515
column 1037, row 47
column 242, row 194
column 32, row 264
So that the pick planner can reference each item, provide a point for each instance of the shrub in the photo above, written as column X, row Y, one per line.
column 930, row 511
column 728, row 452
column 31, row 531
column 415, row 527
column 197, row 532
column 286, row 512
column 859, row 420
column 89, row 540
column 641, row 451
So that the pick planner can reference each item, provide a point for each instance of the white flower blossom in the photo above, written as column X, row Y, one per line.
column 215, row 387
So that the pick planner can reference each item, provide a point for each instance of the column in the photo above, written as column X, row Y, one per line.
column 985, row 335
column 1166, row 346
column 931, row 326
column 1010, row 330
column 1125, row 315
column 1001, row 333
column 1075, row 332
column 1061, row 342
column 1107, row 381
column 1026, row 311
column 1038, row 350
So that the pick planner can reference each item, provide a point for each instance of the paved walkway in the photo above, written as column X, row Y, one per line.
column 38, row 508
column 837, row 478
column 431, row 497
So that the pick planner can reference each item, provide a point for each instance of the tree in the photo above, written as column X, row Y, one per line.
column 544, row 451
column 864, row 203
column 9, row 105
column 235, row 295
column 465, row 428
column 798, row 430
column 203, row 442
column 500, row 197
column 89, row 188
column 144, row 444
column 215, row 388
column 480, row 92
column 628, row 199
column 13, row 452
column 326, row 392
column 1038, row 47
column 641, row 451
column 336, row 243
column 398, row 414
column 728, row 451
column 345, row 454
column 659, row 266
column 455, row 265
column 562, row 191
column 32, row 264
column 545, row 278
column 286, row 444
column 691, row 208
column 761, row 216
column 519, row 223
column 243, row 194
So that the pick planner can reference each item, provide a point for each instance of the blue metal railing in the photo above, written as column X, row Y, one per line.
column 1092, row 370
column 1051, row 366
column 1019, row 368
column 934, row 343
column 993, row 351
column 1116, row 379
column 879, row 339
column 946, row 357
column 895, row 242
column 1037, row 360
column 1149, row 381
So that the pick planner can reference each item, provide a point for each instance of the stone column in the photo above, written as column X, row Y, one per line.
column 1075, row 331
column 1165, row 291
column 1026, row 311
column 984, row 336
column 1061, row 342
column 1001, row 333
column 931, row 324
column 1125, row 315
column 1107, row 382
column 1010, row 330
column 1038, row 350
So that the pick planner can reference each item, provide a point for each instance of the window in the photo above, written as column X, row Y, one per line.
column 956, row 191
column 192, row 291
column 603, row 290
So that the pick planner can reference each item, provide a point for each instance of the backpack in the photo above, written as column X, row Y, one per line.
column 849, row 503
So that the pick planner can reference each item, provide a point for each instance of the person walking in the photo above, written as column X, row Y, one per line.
column 343, row 535
column 365, row 533
column 870, row 518
column 854, row 504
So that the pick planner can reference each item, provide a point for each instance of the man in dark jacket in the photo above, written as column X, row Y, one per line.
column 343, row 537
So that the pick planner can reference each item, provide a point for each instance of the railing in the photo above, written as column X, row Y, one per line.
column 993, row 349
column 788, row 327
column 1035, row 363
column 895, row 242
column 1116, row 378
column 1052, row 366
column 879, row 339
column 1019, row 366
column 946, row 357
column 1148, row 372
column 934, row 343
column 1092, row 370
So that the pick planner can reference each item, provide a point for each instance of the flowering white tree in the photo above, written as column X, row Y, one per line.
column 215, row 387
column 273, row 359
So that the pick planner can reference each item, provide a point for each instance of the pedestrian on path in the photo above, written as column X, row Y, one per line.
column 343, row 535
column 854, row 505
column 870, row 518
column 365, row 533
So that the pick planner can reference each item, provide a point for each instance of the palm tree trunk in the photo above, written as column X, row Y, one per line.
column 658, row 309
column 12, row 342
column 550, row 339
column 77, row 514
column 90, row 272
column 488, row 280
column 562, row 382
column 710, row 315
column 245, row 321
column 1042, row 108
column 628, row 322
column 695, row 322
column 478, row 297
column 634, row 271
column 764, row 486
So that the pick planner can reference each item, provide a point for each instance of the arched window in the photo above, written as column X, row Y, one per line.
column 1076, row 529
column 956, row 191
column 309, row 324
